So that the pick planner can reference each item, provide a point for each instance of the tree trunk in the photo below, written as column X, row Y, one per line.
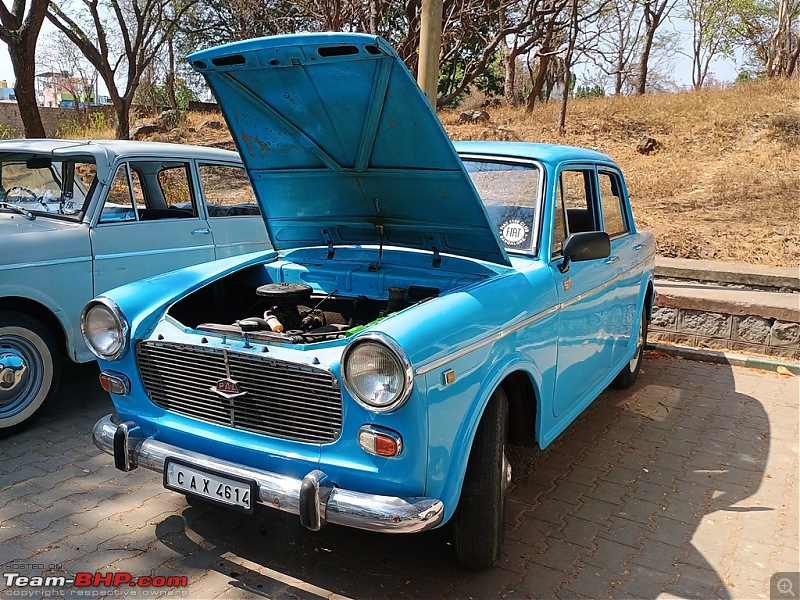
column 122, row 108
column 20, row 32
column 538, row 82
column 25, row 90
column 644, row 59
column 510, row 85
column 170, row 82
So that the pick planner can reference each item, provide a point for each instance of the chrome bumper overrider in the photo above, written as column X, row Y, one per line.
column 313, row 498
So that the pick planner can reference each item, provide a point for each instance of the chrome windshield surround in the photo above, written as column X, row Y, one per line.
column 394, row 347
column 118, row 315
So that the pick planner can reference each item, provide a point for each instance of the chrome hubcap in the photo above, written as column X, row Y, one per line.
column 639, row 345
column 506, row 473
column 20, row 370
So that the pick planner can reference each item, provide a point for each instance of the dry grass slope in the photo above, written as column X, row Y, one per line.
column 724, row 184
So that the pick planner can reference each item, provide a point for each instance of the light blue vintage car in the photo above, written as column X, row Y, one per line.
column 78, row 218
column 425, row 307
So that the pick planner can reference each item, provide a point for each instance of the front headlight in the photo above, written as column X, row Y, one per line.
column 104, row 329
column 377, row 373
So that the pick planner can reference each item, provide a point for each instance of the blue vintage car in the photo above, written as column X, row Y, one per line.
column 80, row 217
column 425, row 307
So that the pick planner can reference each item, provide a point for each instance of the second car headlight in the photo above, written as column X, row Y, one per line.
column 377, row 373
column 104, row 329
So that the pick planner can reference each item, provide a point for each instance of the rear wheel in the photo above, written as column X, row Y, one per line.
column 29, row 370
column 630, row 372
column 479, row 523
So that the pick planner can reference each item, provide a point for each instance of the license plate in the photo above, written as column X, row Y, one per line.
column 212, row 486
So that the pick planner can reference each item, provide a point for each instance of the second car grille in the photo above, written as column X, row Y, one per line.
column 281, row 399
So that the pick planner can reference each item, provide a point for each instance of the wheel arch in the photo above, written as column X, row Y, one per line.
column 41, row 313
column 521, row 381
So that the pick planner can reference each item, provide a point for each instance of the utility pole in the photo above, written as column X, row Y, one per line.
column 430, row 42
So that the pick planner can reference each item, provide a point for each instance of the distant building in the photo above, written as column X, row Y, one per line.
column 62, row 90
column 6, row 92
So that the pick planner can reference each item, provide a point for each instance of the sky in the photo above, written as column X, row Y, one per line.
column 724, row 70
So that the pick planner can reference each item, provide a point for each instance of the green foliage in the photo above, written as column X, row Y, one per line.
column 9, row 133
column 590, row 91
column 155, row 95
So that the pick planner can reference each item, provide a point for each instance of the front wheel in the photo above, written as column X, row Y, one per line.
column 479, row 522
column 29, row 370
column 630, row 372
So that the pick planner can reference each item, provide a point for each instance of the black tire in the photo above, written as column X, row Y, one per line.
column 630, row 372
column 30, row 367
column 479, row 526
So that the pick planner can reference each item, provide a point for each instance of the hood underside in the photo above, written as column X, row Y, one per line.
column 343, row 148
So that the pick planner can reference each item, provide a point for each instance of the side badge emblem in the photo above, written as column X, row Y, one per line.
column 227, row 388
column 567, row 284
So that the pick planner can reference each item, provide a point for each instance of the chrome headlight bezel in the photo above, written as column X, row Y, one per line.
column 121, row 325
column 406, row 372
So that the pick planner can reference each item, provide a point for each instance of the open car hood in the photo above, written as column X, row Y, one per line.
column 343, row 148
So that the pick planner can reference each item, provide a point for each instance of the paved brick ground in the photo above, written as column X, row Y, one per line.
column 685, row 486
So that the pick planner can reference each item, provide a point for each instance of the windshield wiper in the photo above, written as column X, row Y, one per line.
column 25, row 213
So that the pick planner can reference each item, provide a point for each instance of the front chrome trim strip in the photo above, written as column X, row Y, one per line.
column 481, row 343
column 360, row 510
column 503, row 333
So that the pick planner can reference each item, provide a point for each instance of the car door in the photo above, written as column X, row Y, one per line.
column 585, row 341
column 232, row 209
column 626, row 254
column 149, row 224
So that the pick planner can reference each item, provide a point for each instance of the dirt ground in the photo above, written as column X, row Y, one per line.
column 723, row 184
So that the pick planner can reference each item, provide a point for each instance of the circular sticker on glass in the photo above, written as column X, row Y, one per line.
column 513, row 232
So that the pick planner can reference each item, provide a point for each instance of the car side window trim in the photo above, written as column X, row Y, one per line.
column 616, row 181
column 592, row 201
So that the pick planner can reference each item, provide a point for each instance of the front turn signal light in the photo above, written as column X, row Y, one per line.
column 379, row 441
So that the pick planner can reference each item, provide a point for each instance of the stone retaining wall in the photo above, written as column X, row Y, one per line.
column 721, row 331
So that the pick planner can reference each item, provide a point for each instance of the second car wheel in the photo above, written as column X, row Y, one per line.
column 29, row 370
column 479, row 523
column 630, row 372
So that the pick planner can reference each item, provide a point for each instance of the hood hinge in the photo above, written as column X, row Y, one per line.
column 437, row 260
column 331, row 249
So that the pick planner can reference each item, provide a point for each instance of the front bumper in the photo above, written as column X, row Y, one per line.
column 313, row 498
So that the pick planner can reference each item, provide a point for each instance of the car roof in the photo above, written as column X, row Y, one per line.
column 110, row 149
column 546, row 153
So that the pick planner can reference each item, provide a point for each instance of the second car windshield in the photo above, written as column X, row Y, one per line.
column 38, row 183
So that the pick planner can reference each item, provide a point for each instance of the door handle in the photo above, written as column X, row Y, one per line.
column 203, row 231
column 611, row 260
column 638, row 246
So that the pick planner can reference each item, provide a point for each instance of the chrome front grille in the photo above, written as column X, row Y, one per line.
column 281, row 399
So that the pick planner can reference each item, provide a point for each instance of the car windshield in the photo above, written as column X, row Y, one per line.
column 511, row 195
column 40, row 184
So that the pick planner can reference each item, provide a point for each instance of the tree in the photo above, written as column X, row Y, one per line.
column 655, row 13
column 768, row 32
column 19, row 31
column 781, row 55
column 712, row 34
column 620, row 43
column 139, row 27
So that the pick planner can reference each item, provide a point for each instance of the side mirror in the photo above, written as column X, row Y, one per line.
column 587, row 245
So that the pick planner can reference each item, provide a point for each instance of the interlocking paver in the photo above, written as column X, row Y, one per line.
column 685, row 486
